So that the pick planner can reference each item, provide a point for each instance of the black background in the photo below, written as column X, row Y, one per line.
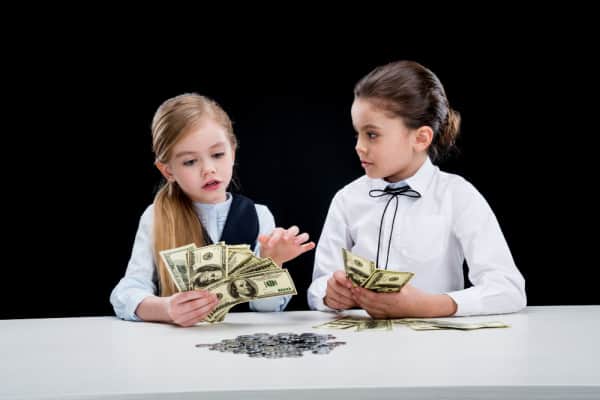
column 79, row 167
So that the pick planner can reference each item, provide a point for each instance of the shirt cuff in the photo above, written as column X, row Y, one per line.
column 134, row 301
column 270, row 304
column 316, row 293
column 467, row 302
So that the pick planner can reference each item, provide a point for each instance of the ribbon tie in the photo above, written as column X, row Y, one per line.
column 393, row 193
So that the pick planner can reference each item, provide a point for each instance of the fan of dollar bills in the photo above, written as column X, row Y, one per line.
column 364, row 273
column 232, row 272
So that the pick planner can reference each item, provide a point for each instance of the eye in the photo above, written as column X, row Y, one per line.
column 218, row 155
column 372, row 135
column 189, row 163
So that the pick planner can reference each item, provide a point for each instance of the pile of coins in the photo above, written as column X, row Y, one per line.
column 279, row 345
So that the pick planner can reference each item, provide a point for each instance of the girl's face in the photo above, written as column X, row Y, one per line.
column 202, row 163
column 386, row 147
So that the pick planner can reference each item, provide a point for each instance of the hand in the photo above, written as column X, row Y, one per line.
column 189, row 308
column 284, row 244
column 338, row 294
column 390, row 305
column 408, row 302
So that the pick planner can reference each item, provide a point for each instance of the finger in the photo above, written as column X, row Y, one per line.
column 368, row 300
column 309, row 246
column 342, row 280
column 275, row 236
column 193, row 305
column 331, row 303
column 291, row 232
column 340, row 293
column 183, row 297
column 263, row 239
column 336, row 303
column 303, row 237
column 306, row 247
column 197, row 315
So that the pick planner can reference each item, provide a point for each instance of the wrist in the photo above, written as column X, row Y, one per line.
column 439, row 305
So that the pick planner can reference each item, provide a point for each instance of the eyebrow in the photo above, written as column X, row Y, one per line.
column 189, row 152
column 370, row 126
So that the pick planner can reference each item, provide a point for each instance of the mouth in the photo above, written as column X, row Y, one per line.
column 365, row 163
column 211, row 185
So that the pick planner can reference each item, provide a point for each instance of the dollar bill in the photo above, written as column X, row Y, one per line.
column 176, row 261
column 243, row 288
column 364, row 273
column 387, row 281
column 358, row 324
column 430, row 324
column 375, row 325
column 210, row 266
column 357, row 269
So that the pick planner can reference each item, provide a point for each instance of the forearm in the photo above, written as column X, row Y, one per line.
column 154, row 308
column 435, row 305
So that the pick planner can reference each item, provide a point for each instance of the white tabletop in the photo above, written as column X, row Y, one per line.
column 548, row 352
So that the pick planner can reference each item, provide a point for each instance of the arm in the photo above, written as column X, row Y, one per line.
column 408, row 302
column 139, row 281
column 134, row 298
column 328, row 259
column 498, row 286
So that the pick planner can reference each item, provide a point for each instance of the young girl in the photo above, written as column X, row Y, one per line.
column 407, row 215
column 194, row 145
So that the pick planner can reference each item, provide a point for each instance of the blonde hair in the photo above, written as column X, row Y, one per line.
column 175, row 220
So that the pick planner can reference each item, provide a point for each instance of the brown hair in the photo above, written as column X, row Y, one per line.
column 175, row 220
column 408, row 90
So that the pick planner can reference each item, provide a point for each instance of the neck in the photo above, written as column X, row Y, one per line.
column 408, row 171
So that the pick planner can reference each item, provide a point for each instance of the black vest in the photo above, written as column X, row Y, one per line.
column 241, row 227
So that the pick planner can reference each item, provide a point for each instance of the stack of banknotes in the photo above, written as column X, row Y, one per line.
column 232, row 272
column 364, row 273
column 418, row 324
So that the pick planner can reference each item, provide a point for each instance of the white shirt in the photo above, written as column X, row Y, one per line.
column 140, row 280
column 432, row 236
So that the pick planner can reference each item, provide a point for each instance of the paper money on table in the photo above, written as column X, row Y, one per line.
column 357, row 324
column 433, row 324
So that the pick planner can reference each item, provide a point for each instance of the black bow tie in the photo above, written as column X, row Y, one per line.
column 393, row 193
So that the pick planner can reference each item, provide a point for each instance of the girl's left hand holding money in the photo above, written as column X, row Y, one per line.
column 284, row 244
column 408, row 302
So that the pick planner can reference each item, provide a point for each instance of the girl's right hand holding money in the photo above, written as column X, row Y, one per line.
column 338, row 295
column 189, row 308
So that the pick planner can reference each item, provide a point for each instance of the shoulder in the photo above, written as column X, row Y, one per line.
column 351, row 190
column 262, row 211
column 147, row 217
column 462, row 192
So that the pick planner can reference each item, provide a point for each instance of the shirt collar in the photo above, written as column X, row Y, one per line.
column 218, row 208
column 419, row 181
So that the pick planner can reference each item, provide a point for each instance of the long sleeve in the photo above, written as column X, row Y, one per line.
column 328, row 257
column 498, row 286
column 266, row 224
column 139, row 281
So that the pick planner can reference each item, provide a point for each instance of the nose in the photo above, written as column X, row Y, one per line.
column 360, row 147
column 208, row 168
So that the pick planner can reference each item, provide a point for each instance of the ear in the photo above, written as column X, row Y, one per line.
column 423, row 138
column 165, row 170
